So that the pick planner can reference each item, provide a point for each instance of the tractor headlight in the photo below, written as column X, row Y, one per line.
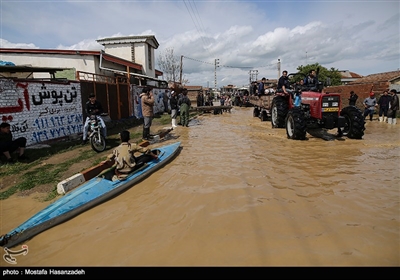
column 325, row 104
column 335, row 104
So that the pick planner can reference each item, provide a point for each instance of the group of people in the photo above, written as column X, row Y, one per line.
column 310, row 82
column 202, row 100
column 180, row 104
column 388, row 105
column 124, row 157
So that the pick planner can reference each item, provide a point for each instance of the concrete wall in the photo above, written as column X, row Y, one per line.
column 85, row 63
column 41, row 111
column 141, row 57
column 121, row 50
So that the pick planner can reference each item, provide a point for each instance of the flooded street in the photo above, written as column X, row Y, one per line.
column 240, row 194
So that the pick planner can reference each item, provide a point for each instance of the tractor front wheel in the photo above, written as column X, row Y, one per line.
column 354, row 122
column 296, row 128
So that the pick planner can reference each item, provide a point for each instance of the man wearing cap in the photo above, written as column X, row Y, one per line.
column 370, row 104
column 393, row 107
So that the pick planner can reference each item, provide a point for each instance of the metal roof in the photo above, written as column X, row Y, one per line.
column 23, row 68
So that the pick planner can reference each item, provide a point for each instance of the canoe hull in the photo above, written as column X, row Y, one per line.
column 84, row 197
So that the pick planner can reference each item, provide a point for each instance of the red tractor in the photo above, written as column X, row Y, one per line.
column 307, row 109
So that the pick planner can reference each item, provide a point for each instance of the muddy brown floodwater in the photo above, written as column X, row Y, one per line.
column 239, row 194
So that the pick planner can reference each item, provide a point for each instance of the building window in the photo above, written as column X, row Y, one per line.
column 149, row 56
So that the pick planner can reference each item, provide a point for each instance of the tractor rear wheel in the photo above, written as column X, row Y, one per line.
column 354, row 122
column 296, row 128
column 279, row 110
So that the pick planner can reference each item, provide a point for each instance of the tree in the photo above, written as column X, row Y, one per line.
column 170, row 65
column 332, row 76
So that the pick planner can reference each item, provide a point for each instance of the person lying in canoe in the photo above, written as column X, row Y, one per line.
column 124, row 156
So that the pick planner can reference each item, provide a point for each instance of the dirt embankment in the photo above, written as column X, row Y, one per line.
column 9, row 178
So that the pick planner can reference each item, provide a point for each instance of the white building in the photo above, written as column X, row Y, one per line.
column 131, row 56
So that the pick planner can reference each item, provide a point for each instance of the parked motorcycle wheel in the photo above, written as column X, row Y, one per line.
column 98, row 143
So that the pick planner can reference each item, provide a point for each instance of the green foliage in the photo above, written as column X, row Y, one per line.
column 165, row 119
column 68, row 74
column 43, row 174
column 324, row 75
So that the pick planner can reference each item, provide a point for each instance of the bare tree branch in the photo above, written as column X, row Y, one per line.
column 170, row 65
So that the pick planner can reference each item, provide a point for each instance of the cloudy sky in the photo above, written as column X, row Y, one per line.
column 245, row 36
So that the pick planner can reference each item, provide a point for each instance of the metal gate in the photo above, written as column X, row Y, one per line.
column 112, row 92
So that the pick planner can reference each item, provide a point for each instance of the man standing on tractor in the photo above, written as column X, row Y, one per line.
column 283, row 84
column 311, row 80
column 261, row 90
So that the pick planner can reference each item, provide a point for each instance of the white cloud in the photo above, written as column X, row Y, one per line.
column 6, row 44
column 360, row 36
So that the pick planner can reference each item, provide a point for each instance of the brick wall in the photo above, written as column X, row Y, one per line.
column 41, row 111
column 362, row 90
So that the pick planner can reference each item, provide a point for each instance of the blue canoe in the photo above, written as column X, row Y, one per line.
column 84, row 197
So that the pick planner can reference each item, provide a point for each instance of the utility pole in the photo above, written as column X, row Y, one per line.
column 216, row 62
column 253, row 75
column 279, row 68
column 180, row 77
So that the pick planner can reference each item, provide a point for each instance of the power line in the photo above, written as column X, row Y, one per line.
column 228, row 66
column 192, row 12
column 212, row 63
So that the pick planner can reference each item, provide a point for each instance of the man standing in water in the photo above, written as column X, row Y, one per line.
column 173, row 102
column 184, row 103
column 370, row 104
column 393, row 107
column 147, row 100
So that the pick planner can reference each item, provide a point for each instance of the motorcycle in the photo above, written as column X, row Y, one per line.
column 96, row 137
